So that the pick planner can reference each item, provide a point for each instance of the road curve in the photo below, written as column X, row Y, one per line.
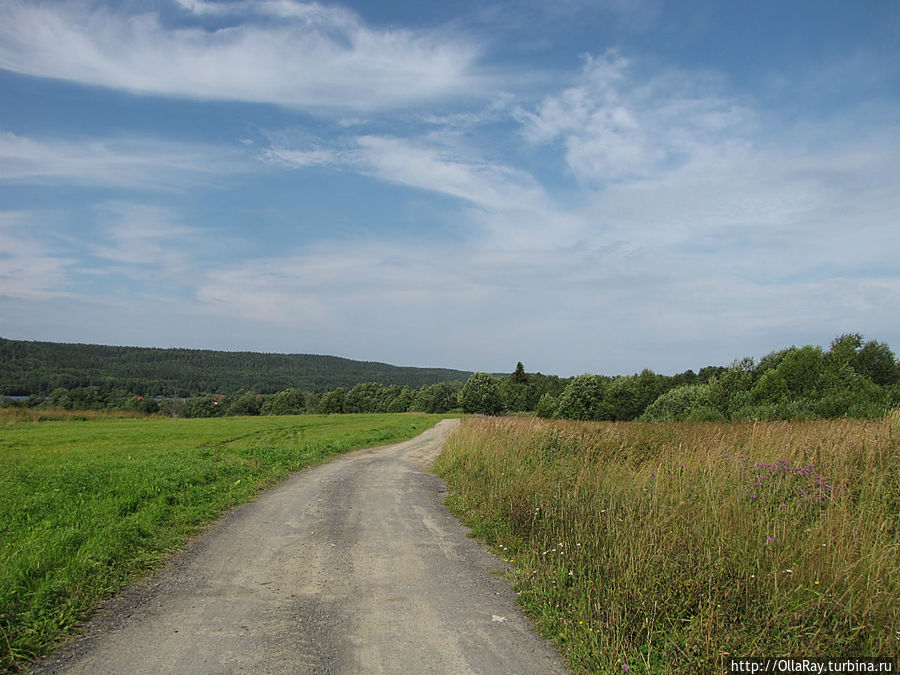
column 354, row 566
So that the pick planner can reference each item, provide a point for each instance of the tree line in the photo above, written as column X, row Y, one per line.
column 854, row 377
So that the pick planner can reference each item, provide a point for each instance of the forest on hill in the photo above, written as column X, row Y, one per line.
column 42, row 367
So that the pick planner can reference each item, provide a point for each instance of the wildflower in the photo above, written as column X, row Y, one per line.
column 770, row 539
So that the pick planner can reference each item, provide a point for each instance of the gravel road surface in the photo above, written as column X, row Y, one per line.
column 354, row 566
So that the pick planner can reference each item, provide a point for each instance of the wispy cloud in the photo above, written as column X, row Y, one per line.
column 117, row 162
column 141, row 236
column 616, row 126
column 28, row 269
column 672, row 163
column 485, row 184
column 504, row 207
column 283, row 52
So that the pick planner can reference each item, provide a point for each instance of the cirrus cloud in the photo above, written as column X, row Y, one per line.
column 288, row 53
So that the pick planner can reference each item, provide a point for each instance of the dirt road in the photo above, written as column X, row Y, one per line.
column 354, row 566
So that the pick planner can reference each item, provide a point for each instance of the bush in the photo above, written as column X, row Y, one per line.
column 287, row 402
column 481, row 394
column 437, row 398
column 205, row 406
column 581, row 398
column 365, row 397
column 626, row 398
column 546, row 406
column 402, row 401
column 688, row 402
column 332, row 402
column 246, row 404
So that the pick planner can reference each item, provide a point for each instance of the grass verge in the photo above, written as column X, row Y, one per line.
column 87, row 502
column 666, row 548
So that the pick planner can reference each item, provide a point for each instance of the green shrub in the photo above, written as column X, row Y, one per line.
column 547, row 406
column 332, row 402
column 481, row 394
column 683, row 403
column 581, row 397
column 287, row 402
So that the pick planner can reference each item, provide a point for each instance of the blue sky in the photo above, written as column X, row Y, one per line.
column 583, row 186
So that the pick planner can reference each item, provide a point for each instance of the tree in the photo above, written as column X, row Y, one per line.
column 402, row 401
column 245, row 404
column 60, row 399
column 519, row 376
column 515, row 394
column 844, row 348
column 287, row 402
column 365, row 397
column 876, row 361
column 688, row 402
column 581, row 398
column 203, row 406
column 481, row 394
column 546, row 406
column 332, row 402
column 437, row 398
column 626, row 398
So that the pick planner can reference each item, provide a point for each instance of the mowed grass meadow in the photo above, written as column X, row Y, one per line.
column 89, row 501
column 666, row 548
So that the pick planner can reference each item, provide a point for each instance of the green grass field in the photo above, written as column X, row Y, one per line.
column 87, row 502
column 665, row 548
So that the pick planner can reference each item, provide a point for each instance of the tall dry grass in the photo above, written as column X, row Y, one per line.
column 666, row 548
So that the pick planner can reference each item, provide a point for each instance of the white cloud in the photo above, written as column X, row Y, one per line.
column 615, row 126
column 28, row 270
column 310, row 56
column 485, row 184
column 41, row 257
column 121, row 162
column 610, row 310
column 672, row 165
column 302, row 158
column 144, row 235
column 691, row 232
column 505, row 207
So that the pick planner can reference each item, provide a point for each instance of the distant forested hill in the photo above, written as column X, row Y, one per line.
column 40, row 367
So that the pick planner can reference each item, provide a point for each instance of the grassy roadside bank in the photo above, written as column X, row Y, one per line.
column 666, row 548
column 87, row 504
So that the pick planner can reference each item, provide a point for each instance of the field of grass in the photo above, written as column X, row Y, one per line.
column 88, row 501
column 665, row 548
